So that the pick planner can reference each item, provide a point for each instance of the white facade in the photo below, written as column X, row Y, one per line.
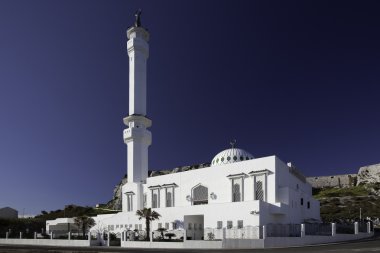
column 235, row 191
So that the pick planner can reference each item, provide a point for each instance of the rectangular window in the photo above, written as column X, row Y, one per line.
column 117, row 226
column 189, row 226
column 200, row 226
column 140, row 226
column 240, row 223
column 136, row 226
column 308, row 205
column 167, row 225
column 155, row 198
column 160, row 225
column 145, row 200
column 219, row 224
column 229, row 224
column 301, row 201
column 174, row 224
column 259, row 190
column 237, row 189
column 121, row 226
column 129, row 202
column 195, row 226
column 169, row 194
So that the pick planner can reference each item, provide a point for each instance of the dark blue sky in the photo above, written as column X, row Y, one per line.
column 299, row 79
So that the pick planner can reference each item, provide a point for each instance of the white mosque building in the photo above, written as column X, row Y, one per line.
column 236, row 190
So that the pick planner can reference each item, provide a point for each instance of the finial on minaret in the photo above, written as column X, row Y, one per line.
column 138, row 18
column 233, row 143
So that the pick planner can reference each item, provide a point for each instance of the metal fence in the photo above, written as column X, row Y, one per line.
column 283, row 230
column 318, row 229
column 363, row 227
column 344, row 228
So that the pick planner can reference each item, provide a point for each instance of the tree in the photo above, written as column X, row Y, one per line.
column 149, row 216
column 84, row 222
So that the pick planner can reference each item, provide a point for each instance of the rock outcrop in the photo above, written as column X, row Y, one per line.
column 366, row 174
column 369, row 174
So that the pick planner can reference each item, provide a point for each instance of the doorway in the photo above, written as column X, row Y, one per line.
column 194, row 227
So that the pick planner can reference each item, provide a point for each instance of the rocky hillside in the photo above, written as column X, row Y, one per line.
column 345, row 203
column 345, row 196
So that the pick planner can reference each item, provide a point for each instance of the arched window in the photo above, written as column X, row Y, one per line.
column 200, row 195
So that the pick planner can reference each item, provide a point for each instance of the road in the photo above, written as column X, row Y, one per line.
column 364, row 246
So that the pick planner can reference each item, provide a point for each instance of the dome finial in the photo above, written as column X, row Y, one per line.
column 138, row 18
column 233, row 143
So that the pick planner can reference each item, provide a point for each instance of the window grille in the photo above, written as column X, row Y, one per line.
column 155, row 198
column 229, row 224
column 219, row 224
column 168, row 199
column 259, row 190
column 240, row 223
column 145, row 200
column 200, row 195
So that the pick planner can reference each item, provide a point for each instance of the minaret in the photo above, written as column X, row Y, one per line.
column 136, row 136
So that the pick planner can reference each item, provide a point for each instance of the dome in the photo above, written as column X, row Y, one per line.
column 231, row 155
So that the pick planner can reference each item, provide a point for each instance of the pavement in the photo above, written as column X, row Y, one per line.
column 363, row 246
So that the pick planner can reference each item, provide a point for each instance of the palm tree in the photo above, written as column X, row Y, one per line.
column 149, row 216
column 84, row 222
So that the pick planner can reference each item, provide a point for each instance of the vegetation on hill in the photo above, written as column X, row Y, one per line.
column 71, row 211
column 37, row 224
column 339, row 204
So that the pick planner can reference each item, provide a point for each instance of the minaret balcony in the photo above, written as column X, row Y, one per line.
column 137, row 134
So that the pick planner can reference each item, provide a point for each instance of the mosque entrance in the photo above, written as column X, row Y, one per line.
column 194, row 226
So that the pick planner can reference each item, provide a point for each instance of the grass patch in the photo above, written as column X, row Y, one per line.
column 359, row 190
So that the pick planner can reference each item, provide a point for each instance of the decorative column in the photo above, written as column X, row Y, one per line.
column 356, row 226
column 333, row 229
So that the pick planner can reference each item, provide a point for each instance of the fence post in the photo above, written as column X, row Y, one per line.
column 20, row 235
column 6, row 235
column 108, row 239
column 356, row 227
column 264, row 231
column 35, row 235
column 368, row 227
column 333, row 229
column 303, row 230
column 69, row 235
